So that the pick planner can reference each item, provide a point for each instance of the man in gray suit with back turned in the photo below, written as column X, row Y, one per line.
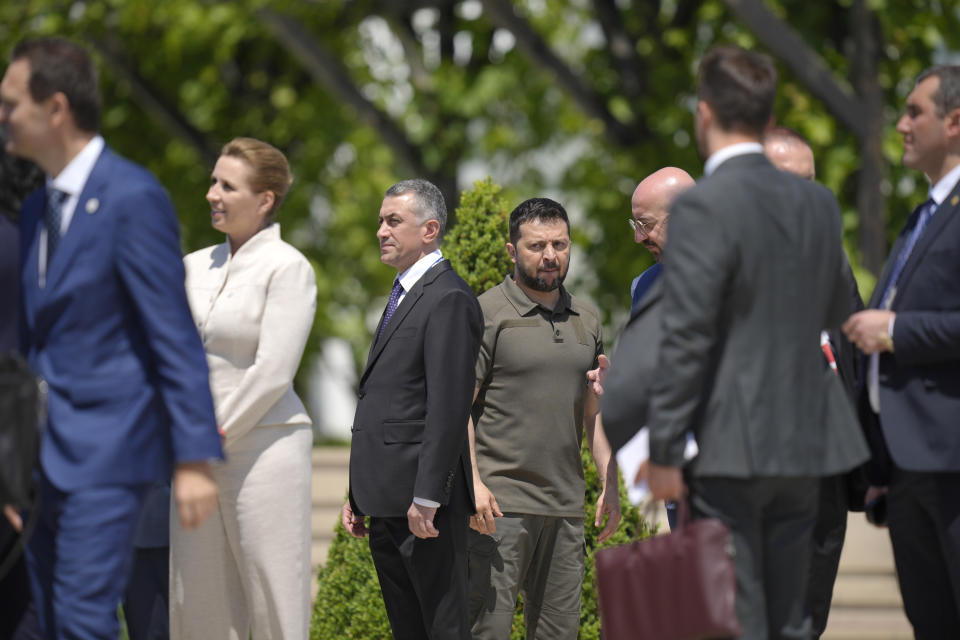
column 751, row 276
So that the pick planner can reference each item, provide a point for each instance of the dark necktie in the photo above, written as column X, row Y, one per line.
column 392, row 303
column 53, row 219
column 927, row 209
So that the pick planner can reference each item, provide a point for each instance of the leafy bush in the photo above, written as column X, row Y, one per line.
column 475, row 245
column 349, row 603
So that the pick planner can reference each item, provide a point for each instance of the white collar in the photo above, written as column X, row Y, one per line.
column 722, row 155
column 410, row 277
column 945, row 185
column 73, row 177
column 269, row 233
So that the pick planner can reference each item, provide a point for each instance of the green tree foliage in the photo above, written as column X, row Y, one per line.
column 570, row 99
column 475, row 246
column 349, row 603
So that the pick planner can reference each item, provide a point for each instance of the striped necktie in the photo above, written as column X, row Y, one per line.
column 53, row 219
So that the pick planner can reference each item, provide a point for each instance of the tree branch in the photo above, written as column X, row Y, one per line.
column 870, row 199
column 326, row 70
column 777, row 36
column 501, row 13
column 151, row 99
column 622, row 49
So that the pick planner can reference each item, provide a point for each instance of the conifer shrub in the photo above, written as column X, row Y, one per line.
column 475, row 246
column 349, row 603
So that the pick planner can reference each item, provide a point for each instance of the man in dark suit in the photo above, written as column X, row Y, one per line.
column 106, row 323
column 649, row 208
column 625, row 389
column 751, row 276
column 18, row 178
column 790, row 151
column 910, row 398
column 409, row 462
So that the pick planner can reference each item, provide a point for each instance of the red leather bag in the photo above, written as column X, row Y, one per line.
column 678, row 586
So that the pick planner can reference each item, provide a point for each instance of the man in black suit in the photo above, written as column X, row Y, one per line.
column 409, row 462
column 790, row 151
column 911, row 397
column 18, row 178
column 751, row 276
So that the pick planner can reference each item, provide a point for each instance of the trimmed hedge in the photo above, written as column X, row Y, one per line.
column 349, row 603
column 476, row 245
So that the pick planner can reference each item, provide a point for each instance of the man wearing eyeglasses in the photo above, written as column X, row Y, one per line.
column 649, row 210
column 648, row 220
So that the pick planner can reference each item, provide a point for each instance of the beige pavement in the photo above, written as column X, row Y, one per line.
column 866, row 600
column 330, row 481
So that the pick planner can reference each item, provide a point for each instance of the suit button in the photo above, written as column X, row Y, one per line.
column 360, row 394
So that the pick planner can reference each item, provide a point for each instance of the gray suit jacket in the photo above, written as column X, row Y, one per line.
column 626, row 392
column 752, row 273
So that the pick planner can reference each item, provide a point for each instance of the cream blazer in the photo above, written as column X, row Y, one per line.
column 254, row 311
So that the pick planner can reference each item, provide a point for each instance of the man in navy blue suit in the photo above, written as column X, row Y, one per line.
column 910, row 397
column 106, row 323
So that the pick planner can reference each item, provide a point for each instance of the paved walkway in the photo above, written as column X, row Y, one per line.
column 866, row 600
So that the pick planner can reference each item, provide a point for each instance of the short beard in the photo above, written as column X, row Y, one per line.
column 539, row 284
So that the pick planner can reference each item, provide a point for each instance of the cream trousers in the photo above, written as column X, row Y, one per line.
column 246, row 569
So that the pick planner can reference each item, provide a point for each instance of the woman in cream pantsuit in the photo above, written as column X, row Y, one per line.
column 246, row 570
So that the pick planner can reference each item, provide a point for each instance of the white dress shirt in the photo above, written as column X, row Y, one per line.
column 733, row 150
column 413, row 274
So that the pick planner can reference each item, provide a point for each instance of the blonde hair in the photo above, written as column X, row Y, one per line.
column 269, row 170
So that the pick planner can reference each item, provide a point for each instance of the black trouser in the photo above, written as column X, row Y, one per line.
column 146, row 602
column 923, row 513
column 18, row 620
column 771, row 521
column 828, row 535
column 424, row 581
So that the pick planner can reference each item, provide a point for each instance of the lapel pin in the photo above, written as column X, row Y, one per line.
column 954, row 200
column 92, row 205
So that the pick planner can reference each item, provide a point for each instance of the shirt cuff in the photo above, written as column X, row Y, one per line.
column 423, row 502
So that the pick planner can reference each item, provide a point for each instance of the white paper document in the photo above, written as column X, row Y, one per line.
column 635, row 453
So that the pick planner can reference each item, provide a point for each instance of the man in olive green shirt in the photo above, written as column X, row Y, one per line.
column 531, row 409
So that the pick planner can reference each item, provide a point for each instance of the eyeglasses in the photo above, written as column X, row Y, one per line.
column 639, row 226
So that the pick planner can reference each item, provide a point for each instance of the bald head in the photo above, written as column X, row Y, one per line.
column 789, row 151
column 651, row 203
